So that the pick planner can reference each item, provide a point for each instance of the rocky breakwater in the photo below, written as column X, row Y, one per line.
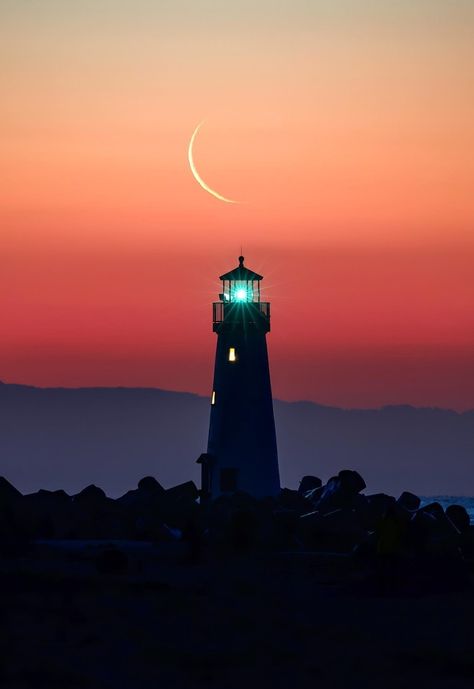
column 335, row 517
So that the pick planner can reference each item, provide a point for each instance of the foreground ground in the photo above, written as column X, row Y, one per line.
column 274, row 620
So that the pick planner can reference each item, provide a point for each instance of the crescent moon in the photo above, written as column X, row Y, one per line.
column 196, row 174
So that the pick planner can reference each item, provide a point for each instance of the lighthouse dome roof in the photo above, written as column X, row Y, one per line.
column 241, row 273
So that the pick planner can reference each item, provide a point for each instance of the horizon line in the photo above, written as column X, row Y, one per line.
column 399, row 405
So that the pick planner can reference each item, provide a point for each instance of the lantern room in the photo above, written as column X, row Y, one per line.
column 240, row 299
column 240, row 285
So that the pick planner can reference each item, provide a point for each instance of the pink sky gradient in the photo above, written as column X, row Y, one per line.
column 347, row 133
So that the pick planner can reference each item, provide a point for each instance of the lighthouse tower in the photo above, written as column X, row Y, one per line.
column 242, row 450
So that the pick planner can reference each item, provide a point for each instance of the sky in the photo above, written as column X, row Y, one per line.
column 345, row 130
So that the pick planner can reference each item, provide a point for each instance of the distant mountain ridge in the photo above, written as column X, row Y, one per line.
column 70, row 437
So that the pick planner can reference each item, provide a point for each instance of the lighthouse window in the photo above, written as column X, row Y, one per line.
column 232, row 355
column 213, row 398
column 228, row 480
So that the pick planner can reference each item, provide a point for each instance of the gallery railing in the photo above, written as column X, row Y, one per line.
column 241, row 312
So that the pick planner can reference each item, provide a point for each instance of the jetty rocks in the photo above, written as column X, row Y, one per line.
column 335, row 517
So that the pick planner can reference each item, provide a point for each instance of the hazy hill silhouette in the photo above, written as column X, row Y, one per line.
column 66, row 438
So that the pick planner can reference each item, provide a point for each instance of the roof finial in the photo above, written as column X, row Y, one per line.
column 241, row 261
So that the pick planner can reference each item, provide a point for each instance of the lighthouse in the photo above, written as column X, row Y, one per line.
column 242, row 449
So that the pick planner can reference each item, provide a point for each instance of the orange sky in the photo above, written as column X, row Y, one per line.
column 344, row 128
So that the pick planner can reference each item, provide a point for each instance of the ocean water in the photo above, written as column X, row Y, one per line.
column 446, row 500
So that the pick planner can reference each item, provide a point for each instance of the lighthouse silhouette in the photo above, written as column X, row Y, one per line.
column 242, row 450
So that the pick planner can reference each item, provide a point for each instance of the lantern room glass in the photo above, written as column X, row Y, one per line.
column 241, row 291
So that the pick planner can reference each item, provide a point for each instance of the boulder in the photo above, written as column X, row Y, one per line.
column 366, row 550
column 351, row 481
column 285, row 528
column 458, row 515
column 48, row 514
column 466, row 544
column 238, row 500
column 242, row 529
column 147, row 493
column 91, row 496
column 375, row 507
column 308, row 483
column 291, row 500
column 178, row 504
column 336, row 531
column 187, row 492
column 111, row 561
column 409, row 501
column 391, row 531
column 432, row 533
column 240, row 521
column 360, row 507
column 149, row 484
column 313, row 496
column 8, row 493
column 421, row 527
column 144, row 508
column 14, row 536
column 98, row 517
column 339, row 492
column 433, row 508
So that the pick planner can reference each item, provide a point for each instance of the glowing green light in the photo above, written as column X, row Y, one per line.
column 241, row 295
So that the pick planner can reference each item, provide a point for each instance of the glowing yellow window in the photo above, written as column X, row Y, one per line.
column 213, row 398
column 232, row 356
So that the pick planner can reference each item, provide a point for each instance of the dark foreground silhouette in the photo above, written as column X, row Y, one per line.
column 323, row 586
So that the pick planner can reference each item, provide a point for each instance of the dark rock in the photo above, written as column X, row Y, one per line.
column 466, row 543
column 144, row 507
column 149, row 484
column 363, row 511
column 376, row 506
column 226, row 504
column 336, row 531
column 184, row 491
column 351, row 481
column 366, row 550
column 91, row 495
column 111, row 561
column 8, row 492
column 14, row 534
column 433, row 508
column 458, row 515
column 148, row 493
column 48, row 514
column 313, row 496
column 285, row 529
column 49, row 497
column 178, row 504
column 240, row 521
column 422, row 525
column 193, row 534
column 292, row 500
column 402, row 513
column 243, row 529
column 339, row 492
column 328, row 494
column 409, row 501
column 309, row 483
column 98, row 516
column 432, row 533
column 391, row 532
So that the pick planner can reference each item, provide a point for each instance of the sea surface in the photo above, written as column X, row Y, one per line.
column 446, row 500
